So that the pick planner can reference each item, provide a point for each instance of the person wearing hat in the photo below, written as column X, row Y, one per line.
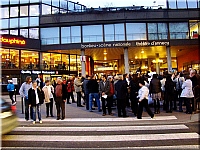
column 143, row 100
column 11, row 89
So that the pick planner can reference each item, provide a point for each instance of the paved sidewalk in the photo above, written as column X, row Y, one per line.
column 72, row 111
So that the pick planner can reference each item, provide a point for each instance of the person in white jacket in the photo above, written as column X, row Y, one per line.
column 143, row 100
column 187, row 95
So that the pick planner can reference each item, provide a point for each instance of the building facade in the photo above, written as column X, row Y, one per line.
column 65, row 38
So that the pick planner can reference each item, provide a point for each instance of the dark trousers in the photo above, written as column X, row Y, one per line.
column 176, row 99
column 144, row 103
column 70, row 94
column 134, row 104
column 11, row 93
column 78, row 98
column 49, row 106
column 169, row 103
column 87, row 101
column 27, row 110
column 121, row 106
column 157, row 105
column 60, row 104
column 127, row 100
column 106, row 102
column 188, row 105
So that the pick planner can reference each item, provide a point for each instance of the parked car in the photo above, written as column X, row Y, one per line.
column 8, row 117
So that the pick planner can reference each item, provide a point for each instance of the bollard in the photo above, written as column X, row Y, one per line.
column 22, row 102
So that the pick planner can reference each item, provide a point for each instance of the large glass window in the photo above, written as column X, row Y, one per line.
column 55, row 3
column 14, row 1
column 34, row 21
column 181, row 4
column 109, row 32
column 75, row 34
column 172, row 4
column 157, row 31
column 14, row 11
column 23, row 22
column 194, row 30
column 14, row 32
column 65, row 62
column 192, row 3
column 34, row 10
column 9, row 58
column 24, row 1
column 178, row 30
column 46, row 61
column 55, row 10
column 24, row 32
column 46, row 9
column 34, row 33
column 29, row 60
column 46, row 2
column 56, row 61
column 65, row 35
column 14, row 23
column 4, row 12
column 23, row 10
column 136, row 31
column 119, row 32
column 50, row 35
column 4, row 23
column 4, row 31
column 92, row 33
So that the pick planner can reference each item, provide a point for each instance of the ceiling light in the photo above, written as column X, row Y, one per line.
column 142, row 51
column 105, row 53
column 136, row 57
column 131, row 60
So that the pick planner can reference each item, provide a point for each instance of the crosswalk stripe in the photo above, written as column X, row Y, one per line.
column 42, row 138
column 181, row 147
column 108, row 128
column 109, row 119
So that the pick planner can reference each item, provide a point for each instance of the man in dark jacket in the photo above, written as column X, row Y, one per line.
column 60, row 93
column 86, row 91
column 121, row 93
column 93, row 88
column 104, row 90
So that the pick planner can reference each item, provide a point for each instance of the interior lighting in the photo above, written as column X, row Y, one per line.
column 142, row 52
column 136, row 57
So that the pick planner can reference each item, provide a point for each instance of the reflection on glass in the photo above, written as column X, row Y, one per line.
column 109, row 32
column 157, row 31
column 4, row 12
column 4, row 31
column 55, row 10
column 136, row 31
column 172, row 4
column 4, row 23
column 92, row 33
column 23, row 10
column 55, row 3
column 29, row 60
column 192, row 3
column 181, row 4
column 178, row 30
column 46, row 9
column 76, row 34
column 65, row 35
column 14, row 32
column 14, row 11
column 46, row 2
column 119, row 32
column 14, row 23
column 34, row 33
column 23, row 22
column 34, row 10
column 24, row 32
column 34, row 21
column 50, row 35
column 24, row 1
column 70, row 5
column 14, row 1
column 9, row 58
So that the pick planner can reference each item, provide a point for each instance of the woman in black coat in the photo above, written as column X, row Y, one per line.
column 35, row 98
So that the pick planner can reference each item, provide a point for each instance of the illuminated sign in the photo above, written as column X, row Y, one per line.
column 12, row 41
column 152, row 43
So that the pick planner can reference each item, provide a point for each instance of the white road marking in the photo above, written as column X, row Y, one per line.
column 100, row 138
column 107, row 119
column 108, row 128
column 181, row 147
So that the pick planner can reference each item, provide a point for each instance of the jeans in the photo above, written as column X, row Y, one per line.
column 38, row 109
column 87, row 101
column 27, row 110
column 96, row 96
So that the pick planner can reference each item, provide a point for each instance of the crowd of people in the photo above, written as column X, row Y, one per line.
column 133, row 91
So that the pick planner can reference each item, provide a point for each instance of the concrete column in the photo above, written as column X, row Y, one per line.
column 83, row 71
column 126, row 60
column 169, row 60
column 157, row 64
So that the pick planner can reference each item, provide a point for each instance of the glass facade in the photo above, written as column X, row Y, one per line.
column 183, row 4
column 92, row 33
column 179, row 30
column 50, row 36
column 136, row 31
column 157, row 31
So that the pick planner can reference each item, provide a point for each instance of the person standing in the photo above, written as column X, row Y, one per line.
column 78, row 89
column 143, row 100
column 11, row 90
column 104, row 90
column 35, row 99
column 48, row 97
column 155, row 90
column 60, row 94
column 70, row 90
column 40, row 82
column 86, row 91
column 121, row 94
column 93, row 88
column 187, row 95
column 23, row 91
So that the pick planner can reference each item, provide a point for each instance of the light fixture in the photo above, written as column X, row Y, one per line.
column 105, row 53
column 131, row 60
column 136, row 57
column 142, row 52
